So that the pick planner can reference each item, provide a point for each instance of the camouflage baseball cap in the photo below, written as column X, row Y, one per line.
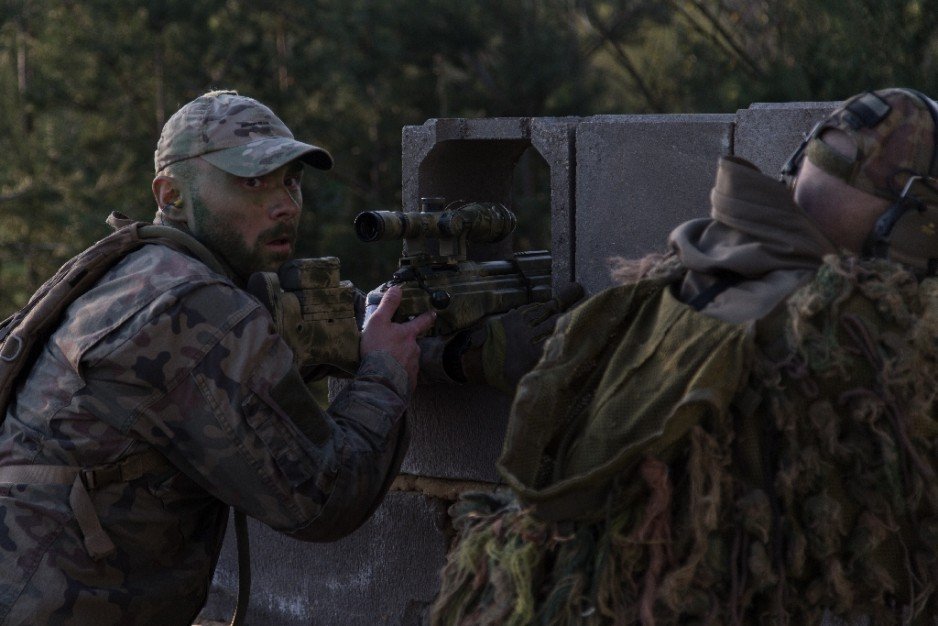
column 895, row 132
column 234, row 133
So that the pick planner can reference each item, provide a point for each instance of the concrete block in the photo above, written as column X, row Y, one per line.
column 553, row 138
column 474, row 159
column 461, row 159
column 637, row 177
column 768, row 133
column 457, row 431
column 385, row 573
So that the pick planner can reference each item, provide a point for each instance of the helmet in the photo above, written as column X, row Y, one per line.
column 896, row 135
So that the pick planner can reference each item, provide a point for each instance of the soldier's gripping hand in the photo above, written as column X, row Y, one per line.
column 502, row 348
column 398, row 340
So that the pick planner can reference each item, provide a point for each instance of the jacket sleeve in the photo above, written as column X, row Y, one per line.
column 215, row 390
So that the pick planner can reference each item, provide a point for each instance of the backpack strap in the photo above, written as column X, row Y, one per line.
column 154, row 233
column 27, row 330
column 24, row 332
column 174, row 237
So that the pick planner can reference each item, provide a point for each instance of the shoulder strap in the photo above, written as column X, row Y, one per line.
column 168, row 235
column 84, row 480
column 174, row 237
column 24, row 332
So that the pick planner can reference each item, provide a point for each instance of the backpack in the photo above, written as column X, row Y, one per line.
column 24, row 333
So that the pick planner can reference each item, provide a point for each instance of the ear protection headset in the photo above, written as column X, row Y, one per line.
column 896, row 134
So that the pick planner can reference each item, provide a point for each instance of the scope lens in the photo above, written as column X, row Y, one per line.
column 369, row 226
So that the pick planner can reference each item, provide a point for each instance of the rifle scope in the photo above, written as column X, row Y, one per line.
column 479, row 222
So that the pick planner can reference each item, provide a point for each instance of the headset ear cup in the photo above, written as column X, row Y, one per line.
column 932, row 107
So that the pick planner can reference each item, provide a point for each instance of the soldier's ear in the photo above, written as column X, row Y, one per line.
column 169, row 200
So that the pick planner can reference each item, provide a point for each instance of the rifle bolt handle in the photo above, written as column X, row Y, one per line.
column 439, row 299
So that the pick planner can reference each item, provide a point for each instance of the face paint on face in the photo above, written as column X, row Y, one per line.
column 272, row 248
column 251, row 223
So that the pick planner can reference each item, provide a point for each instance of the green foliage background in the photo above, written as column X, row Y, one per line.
column 85, row 87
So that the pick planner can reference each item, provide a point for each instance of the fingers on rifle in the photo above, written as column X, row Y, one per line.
column 388, row 305
column 422, row 323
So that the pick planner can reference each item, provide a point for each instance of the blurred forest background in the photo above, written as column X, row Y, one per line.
column 85, row 87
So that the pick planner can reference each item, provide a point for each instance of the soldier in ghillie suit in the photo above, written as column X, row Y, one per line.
column 165, row 395
column 744, row 431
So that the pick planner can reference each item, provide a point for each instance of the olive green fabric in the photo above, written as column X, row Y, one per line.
column 668, row 467
column 625, row 375
column 819, row 497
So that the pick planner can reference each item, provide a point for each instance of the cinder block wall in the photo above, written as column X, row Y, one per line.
column 618, row 185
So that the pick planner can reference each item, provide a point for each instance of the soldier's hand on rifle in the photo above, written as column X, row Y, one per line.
column 398, row 340
column 503, row 348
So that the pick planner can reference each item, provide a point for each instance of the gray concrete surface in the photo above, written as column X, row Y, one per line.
column 385, row 573
column 768, row 133
column 637, row 177
column 618, row 185
column 458, row 431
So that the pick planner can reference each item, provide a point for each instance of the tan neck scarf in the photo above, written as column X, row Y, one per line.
column 755, row 232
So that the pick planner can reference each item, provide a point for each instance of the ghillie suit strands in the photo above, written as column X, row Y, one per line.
column 779, row 471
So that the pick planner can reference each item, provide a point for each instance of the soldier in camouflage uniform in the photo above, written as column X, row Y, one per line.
column 167, row 395
column 745, row 430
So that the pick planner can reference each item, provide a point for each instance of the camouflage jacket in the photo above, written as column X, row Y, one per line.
column 164, row 359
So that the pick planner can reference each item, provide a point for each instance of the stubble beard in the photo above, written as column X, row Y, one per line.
column 218, row 235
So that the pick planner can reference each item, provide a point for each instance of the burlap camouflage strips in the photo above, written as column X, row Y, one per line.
column 813, row 502
column 163, row 354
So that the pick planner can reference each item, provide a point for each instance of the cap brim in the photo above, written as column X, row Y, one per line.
column 265, row 155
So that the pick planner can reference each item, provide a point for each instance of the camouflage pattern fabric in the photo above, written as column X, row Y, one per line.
column 809, row 490
column 816, row 498
column 165, row 356
column 234, row 133
column 894, row 131
column 315, row 313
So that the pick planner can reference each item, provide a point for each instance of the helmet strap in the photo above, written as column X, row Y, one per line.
column 793, row 164
column 877, row 243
